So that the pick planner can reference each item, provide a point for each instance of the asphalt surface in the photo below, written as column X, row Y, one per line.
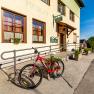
column 86, row 86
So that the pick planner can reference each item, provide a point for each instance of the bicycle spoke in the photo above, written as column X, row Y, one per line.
column 30, row 76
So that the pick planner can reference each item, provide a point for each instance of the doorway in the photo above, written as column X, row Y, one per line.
column 62, row 37
column 63, row 41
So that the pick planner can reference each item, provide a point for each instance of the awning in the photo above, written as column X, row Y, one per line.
column 66, row 27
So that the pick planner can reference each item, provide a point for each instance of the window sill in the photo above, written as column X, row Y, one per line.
column 61, row 13
column 39, row 42
column 72, row 20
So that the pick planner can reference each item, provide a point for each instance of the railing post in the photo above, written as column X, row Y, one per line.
column 50, row 48
column 75, row 46
column 14, row 63
column 67, row 51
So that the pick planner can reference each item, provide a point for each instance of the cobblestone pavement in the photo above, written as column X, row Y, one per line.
column 86, row 86
column 74, row 71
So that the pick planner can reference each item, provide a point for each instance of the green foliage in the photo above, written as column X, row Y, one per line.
column 91, row 42
column 54, row 58
column 89, row 49
column 80, row 49
column 16, row 40
column 76, row 53
column 86, row 50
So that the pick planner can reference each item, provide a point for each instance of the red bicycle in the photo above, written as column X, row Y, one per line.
column 31, row 75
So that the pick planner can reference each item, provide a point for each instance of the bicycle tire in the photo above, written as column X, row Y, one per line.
column 28, row 80
column 56, row 74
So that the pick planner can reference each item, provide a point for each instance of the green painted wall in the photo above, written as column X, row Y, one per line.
column 73, row 6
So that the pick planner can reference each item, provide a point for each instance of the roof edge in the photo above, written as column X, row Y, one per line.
column 80, row 3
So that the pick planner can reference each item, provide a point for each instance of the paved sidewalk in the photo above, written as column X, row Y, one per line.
column 86, row 86
column 74, row 71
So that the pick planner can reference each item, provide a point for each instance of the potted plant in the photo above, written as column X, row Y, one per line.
column 76, row 54
column 16, row 40
column 71, row 55
column 80, row 49
column 86, row 51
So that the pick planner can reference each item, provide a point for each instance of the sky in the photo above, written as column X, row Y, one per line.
column 87, row 19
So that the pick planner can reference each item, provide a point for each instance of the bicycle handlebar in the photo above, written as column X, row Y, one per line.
column 35, row 50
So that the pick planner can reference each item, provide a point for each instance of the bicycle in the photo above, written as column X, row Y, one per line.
column 29, row 74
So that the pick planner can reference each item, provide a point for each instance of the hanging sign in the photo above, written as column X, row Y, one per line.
column 58, row 18
column 53, row 40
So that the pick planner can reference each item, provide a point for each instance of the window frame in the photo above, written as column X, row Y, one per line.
column 64, row 6
column 46, row 3
column 44, row 32
column 24, row 26
column 72, row 16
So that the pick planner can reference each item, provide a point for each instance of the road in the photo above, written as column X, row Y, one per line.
column 86, row 86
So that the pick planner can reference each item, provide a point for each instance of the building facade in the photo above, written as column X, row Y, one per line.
column 39, row 23
column 83, row 43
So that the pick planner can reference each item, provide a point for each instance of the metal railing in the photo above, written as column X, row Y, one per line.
column 48, row 49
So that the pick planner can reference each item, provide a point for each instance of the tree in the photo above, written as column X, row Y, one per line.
column 91, row 42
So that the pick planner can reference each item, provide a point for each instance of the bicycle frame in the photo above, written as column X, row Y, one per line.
column 42, row 59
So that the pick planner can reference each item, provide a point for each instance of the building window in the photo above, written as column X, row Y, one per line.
column 72, row 18
column 61, row 7
column 46, row 1
column 39, row 31
column 13, row 26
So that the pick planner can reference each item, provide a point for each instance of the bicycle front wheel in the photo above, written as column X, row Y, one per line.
column 30, row 76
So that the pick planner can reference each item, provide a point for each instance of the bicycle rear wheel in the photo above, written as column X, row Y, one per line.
column 59, row 67
column 30, row 76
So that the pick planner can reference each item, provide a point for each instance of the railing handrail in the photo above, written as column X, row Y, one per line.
column 50, row 49
column 2, row 55
column 12, row 51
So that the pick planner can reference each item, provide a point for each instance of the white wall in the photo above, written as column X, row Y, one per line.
column 38, row 10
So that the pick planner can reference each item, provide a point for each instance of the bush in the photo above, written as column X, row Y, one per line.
column 91, row 43
column 89, row 49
